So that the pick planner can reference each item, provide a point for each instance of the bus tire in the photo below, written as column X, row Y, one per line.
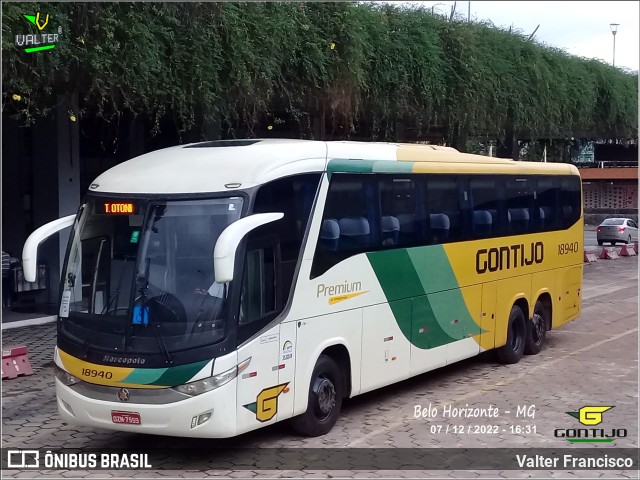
column 536, row 330
column 325, row 400
column 516, row 338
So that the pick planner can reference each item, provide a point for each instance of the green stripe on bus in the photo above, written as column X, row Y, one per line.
column 426, row 331
column 402, row 313
column 144, row 376
column 350, row 166
column 396, row 274
column 387, row 166
column 418, row 324
column 423, row 295
column 165, row 376
column 345, row 165
column 436, row 275
column 433, row 268
column 453, row 315
column 180, row 374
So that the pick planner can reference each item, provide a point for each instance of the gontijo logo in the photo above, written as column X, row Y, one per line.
column 37, row 42
column 266, row 405
column 590, row 415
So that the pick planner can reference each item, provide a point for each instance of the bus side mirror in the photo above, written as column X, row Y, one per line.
column 224, row 254
column 30, row 249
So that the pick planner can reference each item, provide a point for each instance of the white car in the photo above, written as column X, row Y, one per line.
column 617, row 230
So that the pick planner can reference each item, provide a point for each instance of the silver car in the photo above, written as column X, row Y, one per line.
column 617, row 230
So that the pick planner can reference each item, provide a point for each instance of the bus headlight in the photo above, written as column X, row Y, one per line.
column 210, row 383
column 64, row 376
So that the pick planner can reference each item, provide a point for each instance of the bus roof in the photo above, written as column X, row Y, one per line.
column 225, row 165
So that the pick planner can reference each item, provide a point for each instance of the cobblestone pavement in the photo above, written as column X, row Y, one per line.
column 591, row 361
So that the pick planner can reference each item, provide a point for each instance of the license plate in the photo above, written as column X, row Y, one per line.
column 130, row 418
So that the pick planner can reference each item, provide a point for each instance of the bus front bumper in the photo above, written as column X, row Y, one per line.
column 214, row 411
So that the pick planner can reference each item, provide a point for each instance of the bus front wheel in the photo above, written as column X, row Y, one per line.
column 516, row 337
column 325, row 400
column 536, row 330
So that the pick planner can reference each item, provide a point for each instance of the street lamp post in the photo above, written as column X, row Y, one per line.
column 614, row 30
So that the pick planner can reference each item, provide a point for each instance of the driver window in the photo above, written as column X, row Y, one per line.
column 258, row 297
column 95, row 272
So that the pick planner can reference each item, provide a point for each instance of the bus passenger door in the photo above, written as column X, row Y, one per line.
column 258, row 386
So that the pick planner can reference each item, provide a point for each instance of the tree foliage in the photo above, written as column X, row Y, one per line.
column 242, row 64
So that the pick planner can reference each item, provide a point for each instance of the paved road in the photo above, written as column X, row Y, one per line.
column 591, row 361
column 590, row 239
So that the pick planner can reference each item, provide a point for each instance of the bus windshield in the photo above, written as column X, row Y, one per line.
column 139, row 277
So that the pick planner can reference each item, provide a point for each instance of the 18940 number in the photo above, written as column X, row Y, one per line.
column 566, row 248
column 88, row 372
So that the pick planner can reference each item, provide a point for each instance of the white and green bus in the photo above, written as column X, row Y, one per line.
column 214, row 288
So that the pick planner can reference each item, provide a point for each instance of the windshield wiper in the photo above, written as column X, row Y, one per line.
column 142, row 284
column 163, row 346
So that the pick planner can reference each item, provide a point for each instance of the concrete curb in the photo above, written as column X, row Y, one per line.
column 29, row 322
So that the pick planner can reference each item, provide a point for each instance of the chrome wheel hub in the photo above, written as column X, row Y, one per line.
column 325, row 395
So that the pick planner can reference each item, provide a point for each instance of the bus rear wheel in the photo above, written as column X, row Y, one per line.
column 536, row 330
column 516, row 338
column 325, row 400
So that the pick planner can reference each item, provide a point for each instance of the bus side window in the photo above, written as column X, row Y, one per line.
column 571, row 200
column 400, row 213
column 294, row 197
column 445, row 217
column 350, row 222
column 520, row 212
column 547, row 203
column 489, row 213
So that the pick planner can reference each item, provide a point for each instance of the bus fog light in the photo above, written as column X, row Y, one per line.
column 207, row 384
column 203, row 418
column 64, row 376
column 200, row 419
column 68, row 408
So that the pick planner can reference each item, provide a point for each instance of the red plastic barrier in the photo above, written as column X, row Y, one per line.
column 635, row 247
column 608, row 254
column 627, row 251
column 590, row 257
column 15, row 362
